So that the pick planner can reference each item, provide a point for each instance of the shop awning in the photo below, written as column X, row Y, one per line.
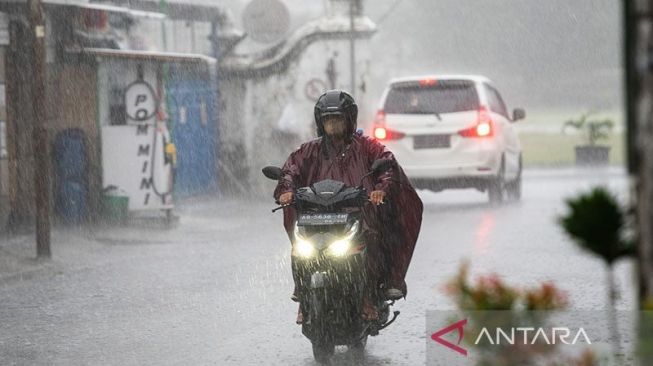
column 148, row 55
column 18, row 6
column 118, row 9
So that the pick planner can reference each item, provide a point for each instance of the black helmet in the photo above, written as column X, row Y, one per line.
column 336, row 102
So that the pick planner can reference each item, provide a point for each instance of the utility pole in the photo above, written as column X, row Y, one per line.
column 40, row 133
column 352, row 49
column 639, row 112
column 163, row 8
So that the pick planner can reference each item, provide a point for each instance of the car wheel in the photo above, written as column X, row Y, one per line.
column 514, row 188
column 496, row 186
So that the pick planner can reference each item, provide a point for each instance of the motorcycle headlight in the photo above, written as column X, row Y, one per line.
column 342, row 246
column 339, row 247
column 303, row 247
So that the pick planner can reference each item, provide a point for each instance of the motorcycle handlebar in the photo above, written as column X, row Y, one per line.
column 282, row 206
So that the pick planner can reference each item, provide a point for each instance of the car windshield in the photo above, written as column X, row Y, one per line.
column 442, row 97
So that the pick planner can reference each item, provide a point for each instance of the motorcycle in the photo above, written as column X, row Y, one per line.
column 329, row 253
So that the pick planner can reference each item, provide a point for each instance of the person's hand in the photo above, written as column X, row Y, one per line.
column 376, row 197
column 285, row 198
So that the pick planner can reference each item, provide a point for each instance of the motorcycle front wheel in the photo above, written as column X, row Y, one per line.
column 322, row 352
column 357, row 350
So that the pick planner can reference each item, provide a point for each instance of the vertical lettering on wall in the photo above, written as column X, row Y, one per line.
column 141, row 113
column 143, row 150
column 146, row 183
column 144, row 153
column 141, row 129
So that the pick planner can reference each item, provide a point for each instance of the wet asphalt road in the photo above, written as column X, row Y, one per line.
column 215, row 291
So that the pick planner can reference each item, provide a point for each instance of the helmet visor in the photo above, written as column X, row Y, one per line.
column 334, row 124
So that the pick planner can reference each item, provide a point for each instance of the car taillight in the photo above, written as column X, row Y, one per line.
column 483, row 126
column 382, row 133
column 484, row 129
column 427, row 82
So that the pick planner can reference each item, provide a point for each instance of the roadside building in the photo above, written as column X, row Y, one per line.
column 94, row 53
column 228, row 113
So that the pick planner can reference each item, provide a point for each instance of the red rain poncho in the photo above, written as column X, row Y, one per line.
column 396, row 223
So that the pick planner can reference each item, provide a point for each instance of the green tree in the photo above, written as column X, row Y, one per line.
column 596, row 222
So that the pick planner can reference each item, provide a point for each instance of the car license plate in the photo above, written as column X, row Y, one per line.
column 322, row 219
column 431, row 142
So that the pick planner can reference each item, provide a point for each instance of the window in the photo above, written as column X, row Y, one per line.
column 496, row 103
column 442, row 97
column 117, row 114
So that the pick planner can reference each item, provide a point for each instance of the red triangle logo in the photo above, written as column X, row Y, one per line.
column 437, row 336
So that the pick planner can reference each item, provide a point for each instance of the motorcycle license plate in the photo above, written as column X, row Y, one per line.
column 322, row 219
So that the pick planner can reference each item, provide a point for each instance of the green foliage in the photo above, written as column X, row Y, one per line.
column 596, row 129
column 596, row 222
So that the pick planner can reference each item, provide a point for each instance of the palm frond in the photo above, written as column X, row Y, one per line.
column 595, row 221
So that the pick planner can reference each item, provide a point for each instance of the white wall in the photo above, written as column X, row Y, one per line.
column 132, row 157
column 269, row 139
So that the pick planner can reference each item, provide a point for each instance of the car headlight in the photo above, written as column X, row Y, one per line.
column 341, row 247
column 302, row 246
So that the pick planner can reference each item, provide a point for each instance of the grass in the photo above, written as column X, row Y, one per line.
column 550, row 149
column 556, row 117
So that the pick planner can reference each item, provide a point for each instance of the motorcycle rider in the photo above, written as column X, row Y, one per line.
column 342, row 154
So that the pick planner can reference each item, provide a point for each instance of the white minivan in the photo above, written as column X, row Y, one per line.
column 452, row 131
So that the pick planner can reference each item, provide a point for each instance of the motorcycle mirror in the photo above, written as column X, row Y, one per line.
column 382, row 165
column 272, row 172
column 379, row 166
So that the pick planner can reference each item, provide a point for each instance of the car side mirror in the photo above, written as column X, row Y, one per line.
column 382, row 165
column 517, row 114
column 272, row 172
